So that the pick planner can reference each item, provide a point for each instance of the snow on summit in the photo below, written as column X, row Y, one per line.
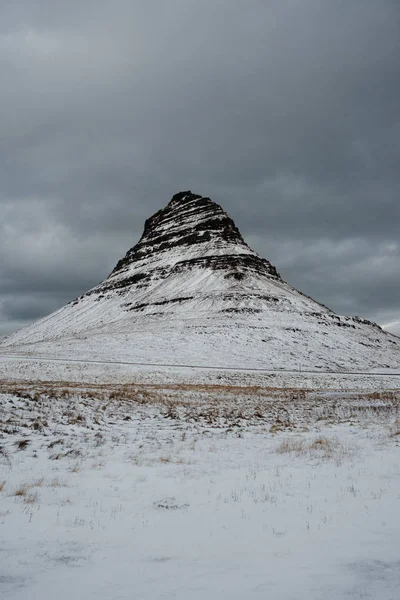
column 192, row 292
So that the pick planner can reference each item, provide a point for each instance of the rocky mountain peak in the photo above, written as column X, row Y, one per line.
column 192, row 229
column 189, row 219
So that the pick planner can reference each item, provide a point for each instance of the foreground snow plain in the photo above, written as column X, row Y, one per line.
column 192, row 485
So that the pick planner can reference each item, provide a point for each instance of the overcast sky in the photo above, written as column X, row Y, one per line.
column 286, row 112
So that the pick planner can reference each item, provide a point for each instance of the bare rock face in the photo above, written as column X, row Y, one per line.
column 191, row 291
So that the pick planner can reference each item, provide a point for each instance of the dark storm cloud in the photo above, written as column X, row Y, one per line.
column 285, row 112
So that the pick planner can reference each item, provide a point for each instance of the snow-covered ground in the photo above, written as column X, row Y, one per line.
column 192, row 491
column 16, row 368
column 275, row 339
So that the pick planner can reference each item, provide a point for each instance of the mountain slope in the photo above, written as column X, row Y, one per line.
column 191, row 291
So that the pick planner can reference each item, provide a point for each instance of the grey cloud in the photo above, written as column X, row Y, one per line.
column 351, row 276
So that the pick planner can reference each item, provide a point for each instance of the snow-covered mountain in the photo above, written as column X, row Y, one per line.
column 192, row 292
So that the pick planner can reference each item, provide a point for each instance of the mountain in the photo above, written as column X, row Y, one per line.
column 192, row 292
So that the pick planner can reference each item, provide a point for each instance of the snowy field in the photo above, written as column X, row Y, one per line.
column 47, row 369
column 198, row 490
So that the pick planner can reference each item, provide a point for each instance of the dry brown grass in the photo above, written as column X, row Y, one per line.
column 24, row 488
column 146, row 392
column 165, row 459
column 2, row 486
column 291, row 446
column 279, row 426
column 319, row 447
column 324, row 442
column 56, row 483
column 327, row 446
column 210, row 405
column 21, row 490
column 31, row 498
